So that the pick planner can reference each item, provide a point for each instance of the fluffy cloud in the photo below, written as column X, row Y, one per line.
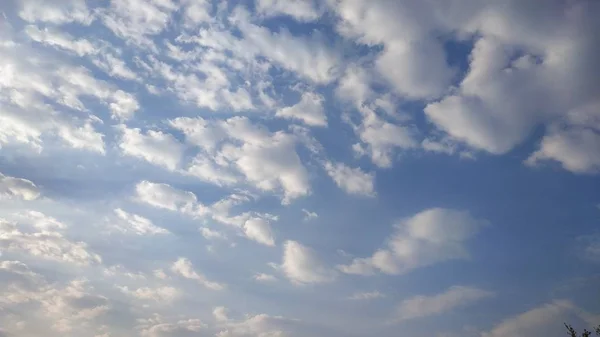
column 158, row 326
column 452, row 298
column 167, row 197
column 309, row 110
column 136, row 21
column 431, row 236
column 351, row 180
column 300, row 10
column 136, row 224
column 46, row 243
column 253, row 325
column 268, row 161
column 412, row 60
column 11, row 187
column 44, row 95
column 255, row 226
column 155, row 147
column 301, row 265
column 70, row 308
column 66, row 12
column 524, row 73
column 380, row 138
column 259, row 230
column 159, row 294
column 184, row 268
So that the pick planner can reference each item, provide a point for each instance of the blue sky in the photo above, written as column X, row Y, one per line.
column 270, row 168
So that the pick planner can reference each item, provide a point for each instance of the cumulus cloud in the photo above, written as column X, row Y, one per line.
column 380, row 139
column 452, row 298
column 70, row 11
column 268, row 161
column 253, row 325
column 71, row 307
column 300, row 10
column 210, row 234
column 136, row 224
column 259, row 230
column 255, row 226
column 167, row 197
column 155, row 147
column 302, row 265
column 159, row 326
column 159, row 294
column 46, row 244
column 351, row 180
column 432, row 236
column 138, row 21
column 12, row 187
column 184, row 268
column 309, row 110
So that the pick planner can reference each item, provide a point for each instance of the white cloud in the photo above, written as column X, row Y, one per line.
column 159, row 294
column 412, row 60
column 308, row 110
column 452, row 298
column 381, row 138
column 262, row 325
column 116, row 67
column 267, row 278
column 67, row 11
column 46, row 244
column 184, row 268
column 136, row 224
column 268, row 161
column 576, row 149
column 196, row 11
column 218, row 173
column 355, row 85
column 255, row 226
column 301, row 10
column 429, row 237
column 308, row 57
column 155, row 147
column 137, row 21
column 12, row 187
column 301, row 265
column 72, row 308
column 210, row 234
column 308, row 215
column 40, row 221
column 157, row 326
column 541, row 321
column 259, row 230
column 525, row 73
column 220, row 314
column 167, row 197
column 351, row 180
column 56, row 38
column 366, row 296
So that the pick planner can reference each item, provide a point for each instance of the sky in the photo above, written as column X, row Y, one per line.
column 299, row 168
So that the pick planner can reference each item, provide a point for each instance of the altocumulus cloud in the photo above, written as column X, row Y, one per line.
column 191, row 167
